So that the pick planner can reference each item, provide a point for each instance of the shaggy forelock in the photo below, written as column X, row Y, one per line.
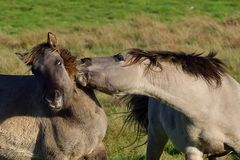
column 68, row 59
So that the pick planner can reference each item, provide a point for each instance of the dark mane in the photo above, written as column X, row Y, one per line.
column 137, row 114
column 68, row 58
column 207, row 67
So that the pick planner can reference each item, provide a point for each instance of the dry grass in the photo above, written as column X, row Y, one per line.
column 197, row 34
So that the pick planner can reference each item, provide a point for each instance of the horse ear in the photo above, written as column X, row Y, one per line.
column 25, row 57
column 52, row 40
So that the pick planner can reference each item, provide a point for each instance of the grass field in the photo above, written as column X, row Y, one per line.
column 94, row 28
column 17, row 16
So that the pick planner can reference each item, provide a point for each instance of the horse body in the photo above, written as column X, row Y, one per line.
column 25, row 135
column 197, row 87
column 210, row 118
column 209, row 110
column 46, row 116
column 163, row 123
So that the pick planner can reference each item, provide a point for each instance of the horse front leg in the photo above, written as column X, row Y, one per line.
column 192, row 153
column 157, row 139
column 50, row 149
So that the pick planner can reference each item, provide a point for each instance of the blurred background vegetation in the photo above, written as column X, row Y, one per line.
column 106, row 27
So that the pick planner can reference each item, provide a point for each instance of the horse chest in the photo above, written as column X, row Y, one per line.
column 78, row 139
column 174, row 124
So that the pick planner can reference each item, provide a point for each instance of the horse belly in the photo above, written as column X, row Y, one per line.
column 18, row 136
column 183, row 132
column 207, row 140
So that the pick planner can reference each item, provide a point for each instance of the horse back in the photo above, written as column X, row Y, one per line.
column 19, row 96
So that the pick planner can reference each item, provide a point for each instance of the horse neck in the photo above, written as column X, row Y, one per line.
column 82, row 104
column 182, row 91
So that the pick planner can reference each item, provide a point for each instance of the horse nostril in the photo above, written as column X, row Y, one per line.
column 47, row 100
column 57, row 94
column 85, row 60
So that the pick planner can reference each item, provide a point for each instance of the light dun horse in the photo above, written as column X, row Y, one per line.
column 205, row 96
column 46, row 116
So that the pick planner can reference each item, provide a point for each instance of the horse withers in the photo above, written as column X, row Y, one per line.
column 199, row 101
column 47, row 116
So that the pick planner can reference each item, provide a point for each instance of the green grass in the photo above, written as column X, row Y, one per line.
column 124, row 146
column 17, row 16
column 93, row 28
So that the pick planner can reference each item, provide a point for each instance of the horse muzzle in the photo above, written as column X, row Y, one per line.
column 55, row 100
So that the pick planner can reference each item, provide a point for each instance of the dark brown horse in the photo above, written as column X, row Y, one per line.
column 46, row 116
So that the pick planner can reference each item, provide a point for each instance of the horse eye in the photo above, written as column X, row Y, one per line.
column 119, row 57
column 58, row 63
column 34, row 70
